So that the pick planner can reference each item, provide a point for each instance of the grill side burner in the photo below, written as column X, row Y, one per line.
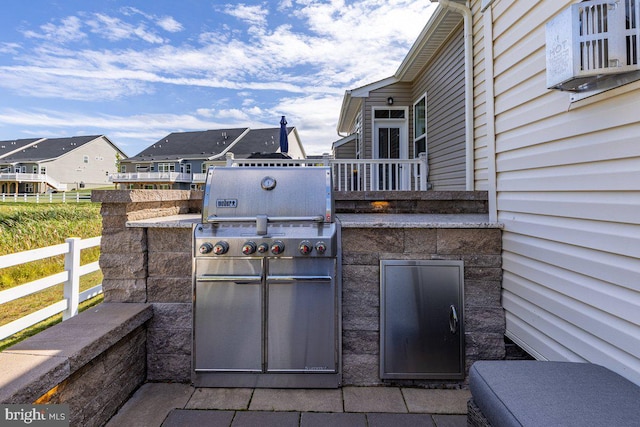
column 267, row 280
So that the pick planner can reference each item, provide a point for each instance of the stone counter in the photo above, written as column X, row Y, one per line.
column 147, row 257
column 369, row 238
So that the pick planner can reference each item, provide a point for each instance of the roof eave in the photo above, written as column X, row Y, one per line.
column 416, row 58
column 352, row 103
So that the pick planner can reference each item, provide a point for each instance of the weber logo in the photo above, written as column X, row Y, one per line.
column 226, row 203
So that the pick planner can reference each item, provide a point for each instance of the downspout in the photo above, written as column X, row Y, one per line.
column 465, row 11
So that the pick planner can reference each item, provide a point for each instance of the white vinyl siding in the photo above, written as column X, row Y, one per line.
column 568, row 194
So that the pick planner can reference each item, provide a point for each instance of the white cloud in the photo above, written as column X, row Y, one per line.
column 169, row 24
column 69, row 30
column 115, row 29
column 10, row 48
column 254, row 15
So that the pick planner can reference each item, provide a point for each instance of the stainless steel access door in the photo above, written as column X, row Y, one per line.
column 421, row 320
column 302, row 322
column 228, row 315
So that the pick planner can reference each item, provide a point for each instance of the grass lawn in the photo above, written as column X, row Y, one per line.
column 25, row 226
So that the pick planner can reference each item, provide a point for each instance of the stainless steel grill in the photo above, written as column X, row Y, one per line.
column 267, row 279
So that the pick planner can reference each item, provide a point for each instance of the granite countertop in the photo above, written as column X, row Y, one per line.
column 173, row 221
column 350, row 221
column 416, row 221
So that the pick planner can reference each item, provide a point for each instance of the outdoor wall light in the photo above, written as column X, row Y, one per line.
column 389, row 101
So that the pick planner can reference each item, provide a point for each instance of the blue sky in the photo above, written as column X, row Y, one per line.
column 140, row 69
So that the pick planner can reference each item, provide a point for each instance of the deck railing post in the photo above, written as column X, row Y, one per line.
column 424, row 171
column 72, row 286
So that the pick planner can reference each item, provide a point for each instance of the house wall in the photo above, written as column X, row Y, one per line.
column 346, row 151
column 443, row 83
column 71, row 169
column 401, row 93
column 567, row 181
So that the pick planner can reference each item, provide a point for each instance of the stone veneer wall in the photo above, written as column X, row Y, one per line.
column 96, row 391
column 363, row 248
column 154, row 265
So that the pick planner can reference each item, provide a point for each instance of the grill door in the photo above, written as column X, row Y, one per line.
column 228, row 315
column 302, row 322
column 421, row 319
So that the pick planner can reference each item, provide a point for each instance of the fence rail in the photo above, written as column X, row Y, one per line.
column 70, row 277
column 76, row 197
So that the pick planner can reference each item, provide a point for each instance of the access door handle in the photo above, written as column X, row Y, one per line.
column 453, row 320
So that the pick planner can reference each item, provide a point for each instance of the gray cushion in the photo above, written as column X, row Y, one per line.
column 534, row 393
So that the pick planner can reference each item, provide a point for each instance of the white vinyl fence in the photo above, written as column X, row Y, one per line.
column 70, row 277
column 46, row 198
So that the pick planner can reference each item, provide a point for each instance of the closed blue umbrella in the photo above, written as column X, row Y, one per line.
column 284, row 140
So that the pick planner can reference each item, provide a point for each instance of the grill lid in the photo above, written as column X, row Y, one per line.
column 268, row 194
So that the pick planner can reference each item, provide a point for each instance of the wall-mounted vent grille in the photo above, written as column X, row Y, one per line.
column 591, row 43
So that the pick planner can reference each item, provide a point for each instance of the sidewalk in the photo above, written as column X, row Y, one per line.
column 172, row 405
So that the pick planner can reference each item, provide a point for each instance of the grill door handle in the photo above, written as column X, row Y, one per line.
column 239, row 280
column 299, row 278
column 453, row 320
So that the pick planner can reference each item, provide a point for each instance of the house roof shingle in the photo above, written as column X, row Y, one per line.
column 9, row 146
column 47, row 149
column 242, row 142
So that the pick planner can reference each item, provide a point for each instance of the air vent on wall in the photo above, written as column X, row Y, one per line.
column 592, row 44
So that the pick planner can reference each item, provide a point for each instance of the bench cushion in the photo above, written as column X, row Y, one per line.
column 536, row 393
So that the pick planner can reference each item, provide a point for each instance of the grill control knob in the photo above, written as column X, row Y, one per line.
column 248, row 248
column 220, row 248
column 277, row 247
column 263, row 248
column 305, row 247
column 321, row 247
column 205, row 248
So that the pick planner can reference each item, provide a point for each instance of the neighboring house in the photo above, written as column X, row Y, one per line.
column 180, row 160
column 56, row 164
column 562, row 169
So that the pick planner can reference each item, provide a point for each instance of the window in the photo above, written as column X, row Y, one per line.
column 28, row 187
column 123, row 168
column 43, row 170
column 204, row 168
column 420, row 127
column 166, row 167
column 85, row 159
column 389, row 114
column 34, row 169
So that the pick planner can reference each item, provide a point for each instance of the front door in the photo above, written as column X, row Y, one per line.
column 390, row 142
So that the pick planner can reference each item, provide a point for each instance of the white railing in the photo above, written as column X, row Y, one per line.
column 150, row 177
column 348, row 174
column 70, row 277
column 33, row 177
column 45, row 198
column 199, row 178
column 360, row 174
